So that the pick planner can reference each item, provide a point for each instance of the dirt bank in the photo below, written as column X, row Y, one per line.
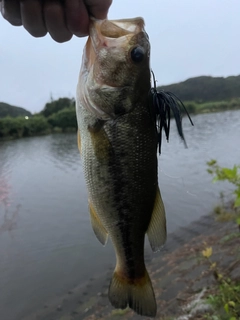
column 178, row 273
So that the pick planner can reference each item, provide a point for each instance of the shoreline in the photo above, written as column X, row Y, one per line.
column 71, row 130
column 178, row 272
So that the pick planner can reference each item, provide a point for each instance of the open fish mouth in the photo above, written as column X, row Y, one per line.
column 110, row 33
column 121, row 34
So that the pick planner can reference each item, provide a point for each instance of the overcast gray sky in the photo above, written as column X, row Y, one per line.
column 188, row 38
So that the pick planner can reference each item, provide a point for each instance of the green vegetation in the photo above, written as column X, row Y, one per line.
column 64, row 119
column 6, row 110
column 57, row 116
column 225, row 297
column 232, row 175
column 57, row 105
column 21, row 127
column 216, row 106
column 206, row 89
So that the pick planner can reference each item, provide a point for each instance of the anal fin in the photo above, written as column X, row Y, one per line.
column 156, row 231
column 97, row 226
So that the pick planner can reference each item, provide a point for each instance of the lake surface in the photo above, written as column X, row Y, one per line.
column 47, row 245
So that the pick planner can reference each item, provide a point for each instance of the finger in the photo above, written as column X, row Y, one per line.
column 77, row 17
column 55, row 21
column 10, row 10
column 32, row 17
column 98, row 8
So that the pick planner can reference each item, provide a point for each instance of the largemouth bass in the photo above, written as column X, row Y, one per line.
column 117, row 140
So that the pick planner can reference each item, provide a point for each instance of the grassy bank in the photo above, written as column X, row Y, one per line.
column 217, row 106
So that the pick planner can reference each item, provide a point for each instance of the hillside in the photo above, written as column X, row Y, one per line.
column 206, row 89
column 12, row 111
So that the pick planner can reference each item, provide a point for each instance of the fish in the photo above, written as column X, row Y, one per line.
column 117, row 140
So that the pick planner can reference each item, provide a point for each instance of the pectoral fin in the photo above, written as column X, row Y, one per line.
column 97, row 226
column 157, row 227
column 100, row 141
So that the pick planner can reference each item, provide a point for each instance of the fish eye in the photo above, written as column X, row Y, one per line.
column 137, row 54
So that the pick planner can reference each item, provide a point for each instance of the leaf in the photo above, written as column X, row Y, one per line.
column 229, row 173
column 213, row 265
column 207, row 252
column 238, row 221
column 220, row 276
column 210, row 171
column 226, row 308
column 215, row 179
column 237, row 200
column 231, row 303
column 212, row 162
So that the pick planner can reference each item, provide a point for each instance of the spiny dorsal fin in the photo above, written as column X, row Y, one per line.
column 157, row 227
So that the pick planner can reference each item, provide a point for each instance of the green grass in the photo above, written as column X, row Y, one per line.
column 207, row 107
column 225, row 301
column 230, row 237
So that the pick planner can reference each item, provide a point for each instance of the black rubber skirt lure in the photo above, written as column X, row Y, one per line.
column 163, row 103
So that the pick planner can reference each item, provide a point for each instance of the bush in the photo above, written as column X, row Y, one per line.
column 12, row 126
column 231, row 175
column 64, row 119
column 37, row 125
column 21, row 127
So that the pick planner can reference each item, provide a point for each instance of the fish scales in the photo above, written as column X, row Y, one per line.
column 118, row 146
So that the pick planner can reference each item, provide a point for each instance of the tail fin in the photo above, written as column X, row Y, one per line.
column 138, row 294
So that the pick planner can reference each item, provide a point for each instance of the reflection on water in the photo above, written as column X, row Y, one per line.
column 8, row 221
column 46, row 243
column 4, row 191
column 63, row 152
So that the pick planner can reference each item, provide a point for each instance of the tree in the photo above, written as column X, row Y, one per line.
column 57, row 105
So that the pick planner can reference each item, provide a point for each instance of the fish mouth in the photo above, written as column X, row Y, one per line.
column 111, row 33
column 119, row 28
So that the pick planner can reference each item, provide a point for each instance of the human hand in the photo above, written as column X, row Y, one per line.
column 61, row 18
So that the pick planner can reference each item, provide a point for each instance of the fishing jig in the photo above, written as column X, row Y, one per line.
column 163, row 103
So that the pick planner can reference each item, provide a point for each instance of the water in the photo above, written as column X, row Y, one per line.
column 47, row 246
